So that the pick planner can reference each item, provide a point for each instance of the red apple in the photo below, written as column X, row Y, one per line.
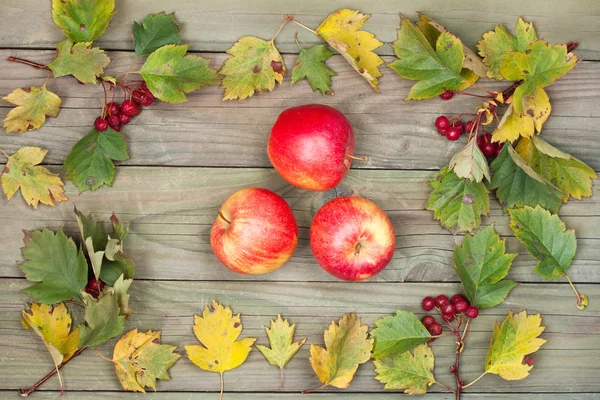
column 255, row 232
column 352, row 238
column 310, row 146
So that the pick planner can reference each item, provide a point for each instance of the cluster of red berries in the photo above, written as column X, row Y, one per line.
column 453, row 128
column 94, row 287
column 449, row 308
column 116, row 115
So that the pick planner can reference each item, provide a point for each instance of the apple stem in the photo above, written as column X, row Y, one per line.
column 364, row 158
column 223, row 217
column 357, row 249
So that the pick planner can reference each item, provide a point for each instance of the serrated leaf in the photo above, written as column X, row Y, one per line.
column 458, row 203
column 281, row 336
column 83, row 20
column 90, row 228
column 82, row 61
column 255, row 66
column 154, row 32
column 397, row 334
column 346, row 347
column 103, row 320
column 514, row 125
column 511, row 342
column 169, row 73
column 342, row 31
column 120, row 288
column 497, row 43
column 33, row 105
column 90, row 163
column 310, row 64
column 53, row 261
column 573, row 177
column 470, row 163
column 140, row 359
column 518, row 185
column 37, row 184
column 411, row 372
column 481, row 263
column 113, row 269
column 546, row 238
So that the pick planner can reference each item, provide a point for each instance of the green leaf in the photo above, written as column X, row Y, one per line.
column 169, row 73
column 155, row 31
column 120, row 289
column 310, row 64
column 518, row 185
column 90, row 163
column 458, row 203
column 102, row 320
column 546, row 238
column 437, row 70
column 90, row 228
column 33, row 104
column 113, row 269
column 573, row 177
column 119, row 229
column 397, row 334
column 83, row 20
column 86, row 64
column 408, row 372
column 470, row 163
column 54, row 261
column 481, row 264
column 281, row 336
column 497, row 43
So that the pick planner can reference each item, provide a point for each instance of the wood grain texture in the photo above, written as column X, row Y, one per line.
column 567, row 362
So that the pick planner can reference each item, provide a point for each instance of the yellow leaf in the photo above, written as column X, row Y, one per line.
column 513, row 125
column 37, row 183
column 33, row 105
column 341, row 31
column 281, row 336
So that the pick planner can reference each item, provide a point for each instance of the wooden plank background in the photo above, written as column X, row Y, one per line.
column 186, row 159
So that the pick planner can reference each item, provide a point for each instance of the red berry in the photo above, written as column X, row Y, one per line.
column 113, row 108
column 453, row 368
column 94, row 287
column 435, row 329
column 448, row 309
column 499, row 147
column 114, row 122
column 101, row 124
column 130, row 108
column 137, row 95
column 483, row 139
column 447, row 95
column 460, row 125
column 453, row 133
column 457, row 297
column 470, row 126
column 428, row 303
column 442, row 122
column 441, row 300
column 488, row 149
column 472, row 312
column 448, row 317
column 147, row 99
column 124, row 119
column 431, row 340
column 443, row 132
column 428, row 320
column 461, row 306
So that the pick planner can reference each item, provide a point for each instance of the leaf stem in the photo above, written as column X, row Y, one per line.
column 281, row 378
column 485, row 90
column 445, row 386
column 222, row 387
column 314, row 390
column 478, row 378
column 290, row 18
column 581, row 299
column 27, row 62
column 280, row 28
column 297, row 42
column 102, row 356
column 3, row 152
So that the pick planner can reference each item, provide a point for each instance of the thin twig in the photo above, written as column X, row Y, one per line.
column 445, row 386
column 280, row 28
column 313, row 390
column 478, row 378
column 27, row 62
column 290, row 18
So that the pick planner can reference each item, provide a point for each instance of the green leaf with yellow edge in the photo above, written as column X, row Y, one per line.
column 411, row 372
column 140, row 359
column 539, row 66
column 546, row 238
column 513, row 124
column 342, row 31
column 470, row 163
column 83, row 20
column 82, row 61
column 572, row 176
column 37, row 184
column 33, row 105
column 517, row 337
column 346, row 347
column 169, row 73
column 497, row 43
column 310, row 64
column 154, row 32
column 281, row 336
column 458, row 203
column 103, row 320
column 396, row 334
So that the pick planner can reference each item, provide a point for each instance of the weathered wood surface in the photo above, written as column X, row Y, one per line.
column 568, row 362
column 297, row 396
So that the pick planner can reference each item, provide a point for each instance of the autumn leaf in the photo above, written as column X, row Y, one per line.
column 411, row 372
column 516, row 338
column 255, row 66
column 154, row 32
column 397, row 334
column 83, row 20
column 310, row 64
column 140, row 359
column 169, row 73
column 82, row 61
column 342, row 31
column 33, row 104
column 93, row 237
column 470, row 163
column 514, row 125
column 281, row 336
column 37, row 184
column 346, row 347
column 481, row 263
column 120, row 288
column 103, row 320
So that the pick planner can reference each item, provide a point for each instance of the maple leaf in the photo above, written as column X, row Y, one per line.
column 154, row 32
column 90, row 163
column 103, row 320
column 255, row 66
column 470, row 163
column 458, row 203
column 37, row 184
column 342, row 31
column 83, row 20
column 346, row 347
column 281, row 336
column 33, row 104
column 82, row 61
column 310, row 64
column 511, row 342
column 546, row 238
column 518, row 185
column 497, row 43
column 140, row 359
column 573, row 177
column 397, row 334
column 169, row 73
column 481, row 263
column 513, row 125
column 53, row 261
column 412, row 373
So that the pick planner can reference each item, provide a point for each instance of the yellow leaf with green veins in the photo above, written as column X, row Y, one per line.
column 33, row 104
column 83, row 20
column 513, row 125
column 82, row 61
column 281, row 336
column 411, row 372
